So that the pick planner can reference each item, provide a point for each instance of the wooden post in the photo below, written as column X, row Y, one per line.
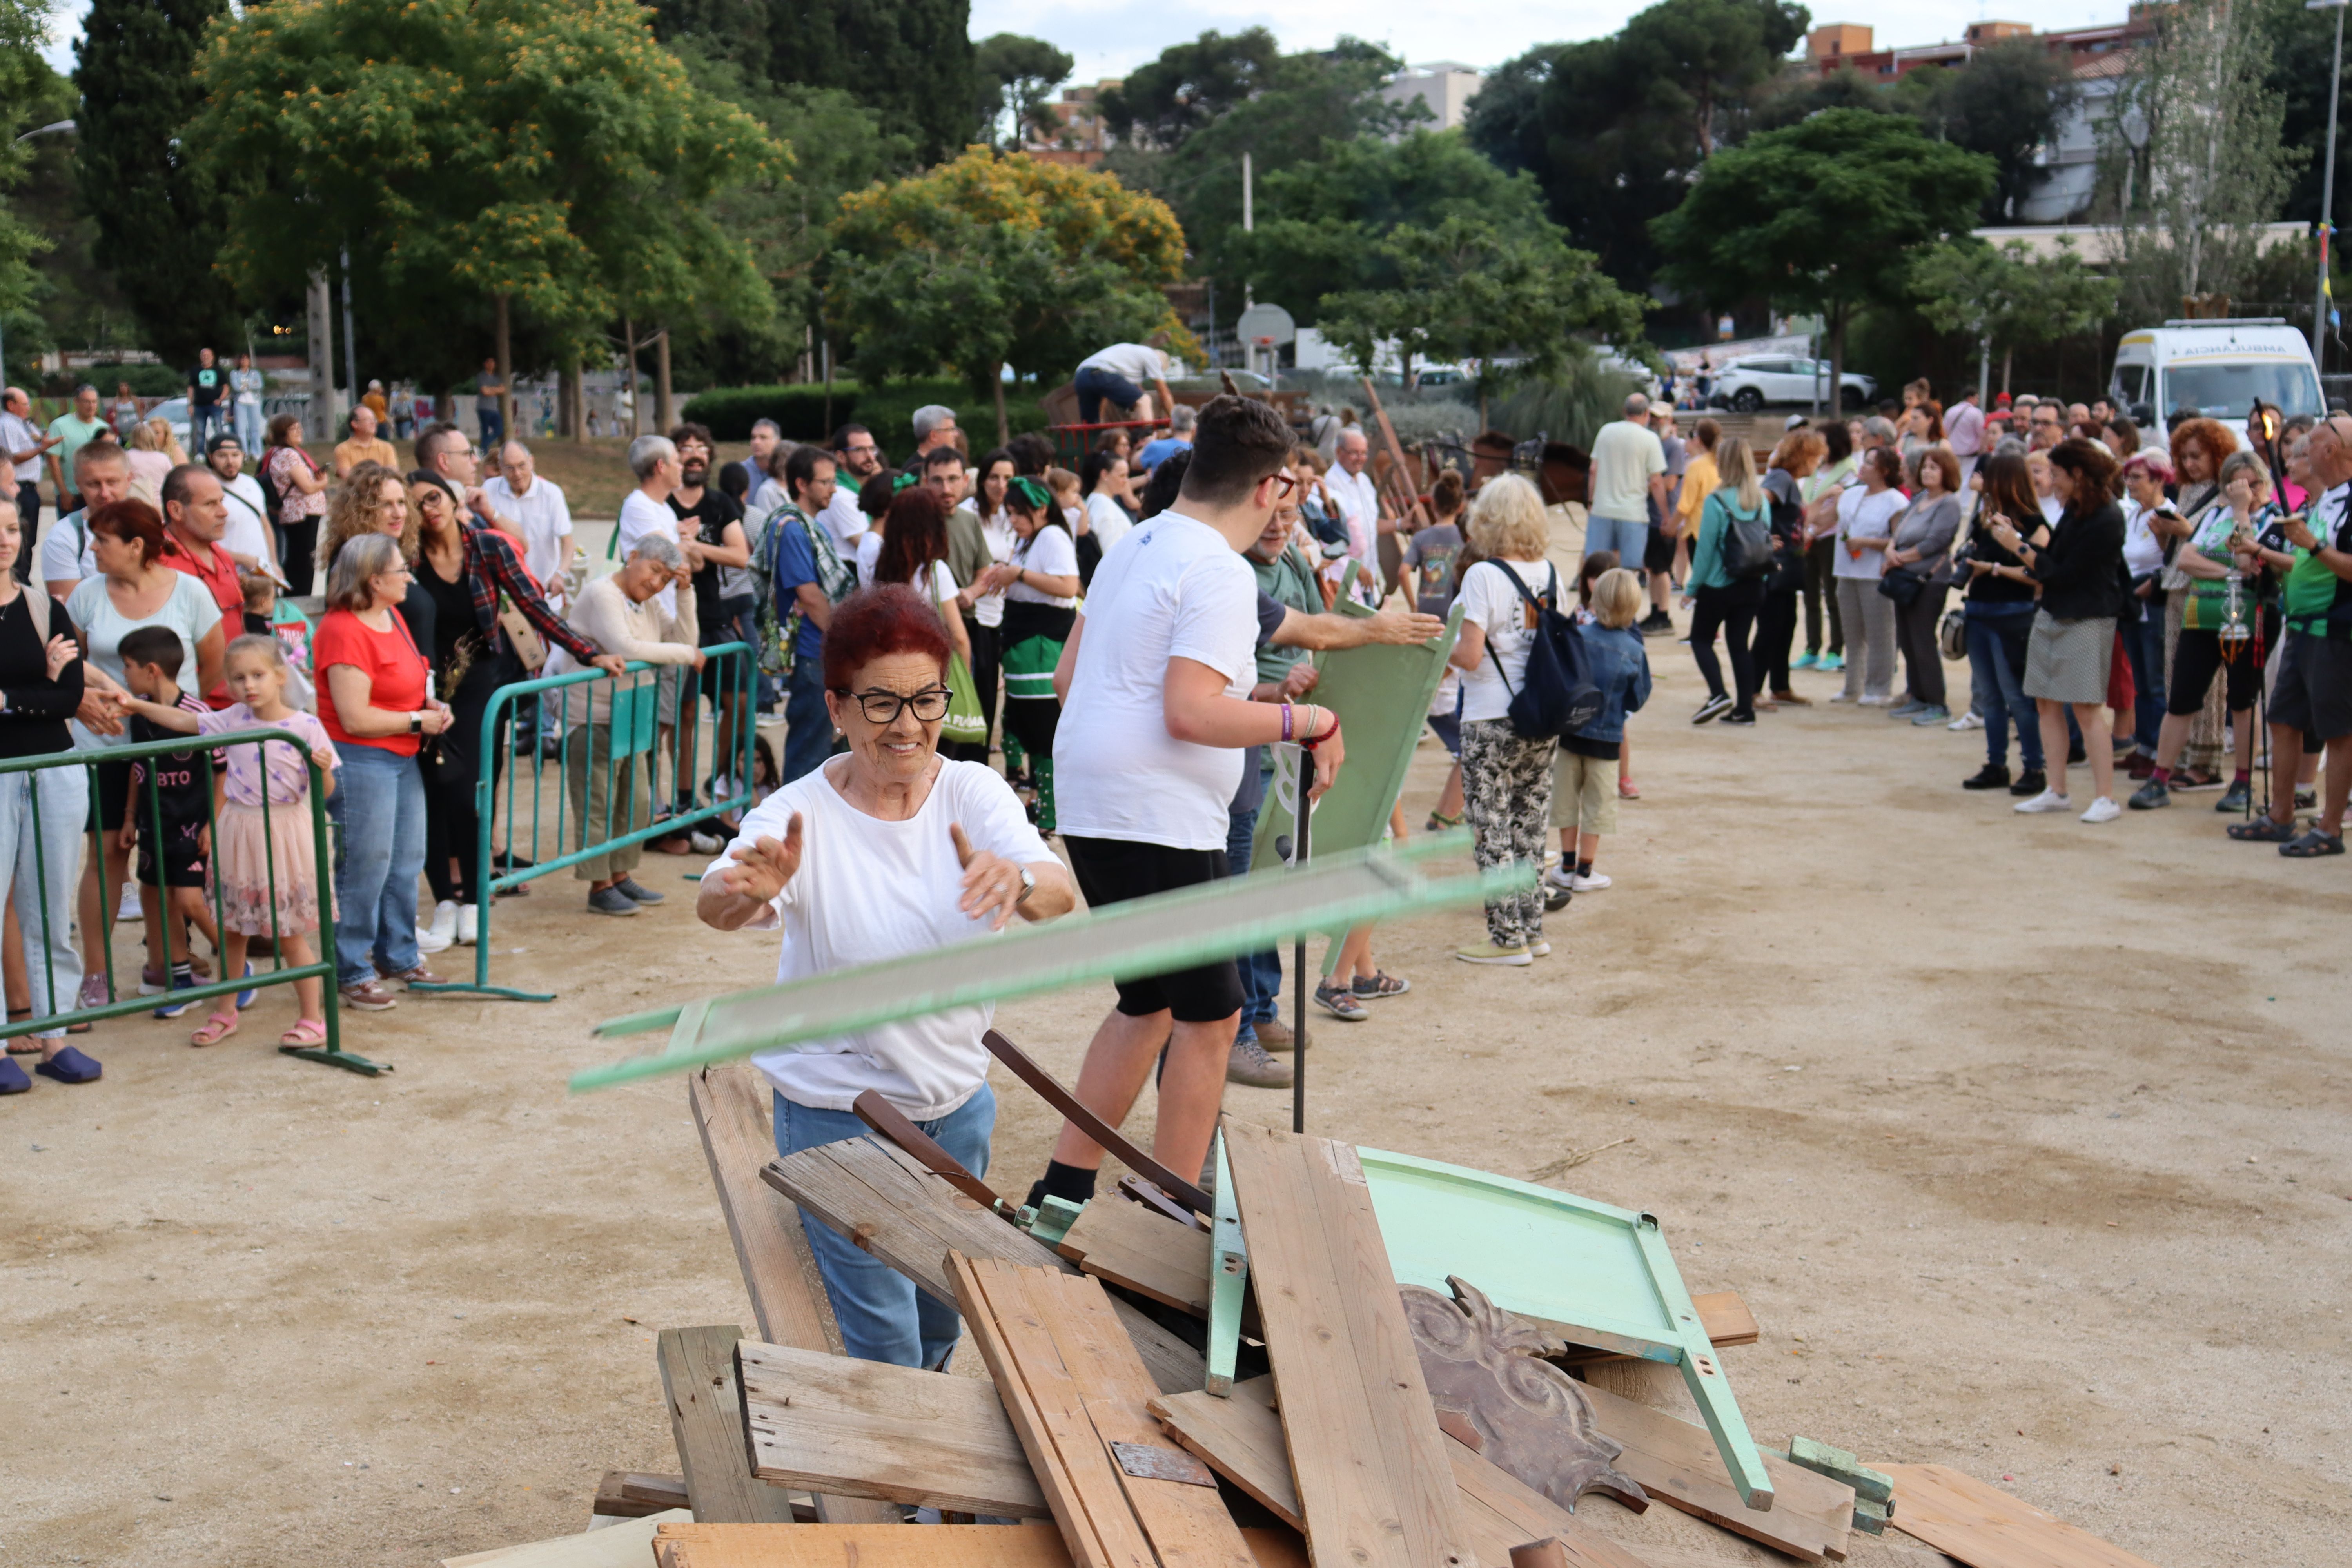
column 506, row 371
column 575, row 400
column 664, row 414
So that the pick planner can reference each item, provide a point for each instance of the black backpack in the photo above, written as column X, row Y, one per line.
column 1557, row 696
column 1748, row 545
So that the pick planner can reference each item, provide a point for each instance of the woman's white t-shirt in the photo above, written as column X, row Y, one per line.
column 1862, row 515
column 989, row 609
column 869, row 550
column 868, row 891
column 1050, row 551
column 1107, row 521
column 190, row 612
column 1489, row 600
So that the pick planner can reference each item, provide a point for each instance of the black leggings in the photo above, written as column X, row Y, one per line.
column 1776, row 629
column 453, row 827
column 2197, row 657
column 1731, row 611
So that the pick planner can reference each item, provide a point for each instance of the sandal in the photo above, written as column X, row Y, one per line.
column 12, row 1078
column 305, row 1032
column 1381, row 983
column 70, row 1066
column 1439, row 822
column 2313, row 845
column 22, row 1045
column 2263, row 830
column 216, row 1028
column 1626, row 790
column 1339, row 1004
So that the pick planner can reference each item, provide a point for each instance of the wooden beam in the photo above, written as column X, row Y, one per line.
column 1374, row 1485
column 869, row 1429
column 706, row 1417
column 706, row 1545
column 882, row 1198
column 633, row 1494
column 1678, row 1462
column 627, row 1544
column 1985, row 1527
column 1077, row 1393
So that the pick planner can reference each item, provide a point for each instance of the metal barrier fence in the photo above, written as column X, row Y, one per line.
column 608, row 774
column 145, row 807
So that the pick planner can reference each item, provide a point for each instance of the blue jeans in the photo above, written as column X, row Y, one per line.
column 379, row 807
column 1094, row 384
column 43, row 868
column 203, row 418
column 494, row 428
column 2143, row 645
column 1628, row 536
column 883, row 1317
column 808, row 728
column 1261, row 972
column 1998, row 634
column 249, row 432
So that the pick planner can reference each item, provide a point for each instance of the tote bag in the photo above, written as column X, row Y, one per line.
column 965, row 724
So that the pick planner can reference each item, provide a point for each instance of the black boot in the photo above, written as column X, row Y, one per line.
column 2028, row 784
column 1993, row 775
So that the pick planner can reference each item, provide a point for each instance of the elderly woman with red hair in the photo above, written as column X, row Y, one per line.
column 2199, row 447
column 886, row 850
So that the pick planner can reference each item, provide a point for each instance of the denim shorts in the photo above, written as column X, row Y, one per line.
column 1628, row 537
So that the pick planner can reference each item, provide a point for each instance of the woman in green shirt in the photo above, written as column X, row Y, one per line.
column 1820, row 493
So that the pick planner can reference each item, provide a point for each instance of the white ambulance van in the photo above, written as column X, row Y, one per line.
column 2213, row 370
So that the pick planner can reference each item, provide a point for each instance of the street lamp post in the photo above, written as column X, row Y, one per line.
column 2327, row 182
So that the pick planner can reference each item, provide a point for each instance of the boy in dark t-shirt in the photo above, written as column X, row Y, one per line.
column 172, row 793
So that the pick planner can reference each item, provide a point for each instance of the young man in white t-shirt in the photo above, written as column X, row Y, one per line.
column 1156, row 722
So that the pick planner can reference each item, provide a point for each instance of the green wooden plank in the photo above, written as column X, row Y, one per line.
column 1600, row 1272
column 1054, row 1217
column 1228, row 1279
column 1145, row 936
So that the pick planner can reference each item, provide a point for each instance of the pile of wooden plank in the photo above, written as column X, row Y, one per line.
column 1292, row 1368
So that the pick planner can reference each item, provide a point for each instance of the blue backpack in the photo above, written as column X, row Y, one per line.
column 1557, row 696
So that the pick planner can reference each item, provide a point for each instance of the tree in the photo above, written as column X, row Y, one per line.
column 545, row 152
column 1826, row 215
column 1019, row 75
column 2006, row 103
column 32, row 92
column 2007, row 295
column 1189, row 85
column 159, row 214
column 2299, row 43
column 992, row 262
column 2193, row 162
column 1697, row 60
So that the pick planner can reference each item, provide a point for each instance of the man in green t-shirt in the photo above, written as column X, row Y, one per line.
column 74, row 430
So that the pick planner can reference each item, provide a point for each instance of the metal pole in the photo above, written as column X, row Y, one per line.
column 350, row 343
column 1984, row 371
column 2327, row 186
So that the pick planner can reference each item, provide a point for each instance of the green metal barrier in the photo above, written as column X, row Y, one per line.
column 37, row 906
column 645, row 702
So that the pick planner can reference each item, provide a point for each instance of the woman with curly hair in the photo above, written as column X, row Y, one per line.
column 2199, row 447
column 375, row 500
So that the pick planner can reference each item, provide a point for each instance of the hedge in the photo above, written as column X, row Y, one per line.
column 887, row 409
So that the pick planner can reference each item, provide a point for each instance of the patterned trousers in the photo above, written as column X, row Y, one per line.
column 1507, row 795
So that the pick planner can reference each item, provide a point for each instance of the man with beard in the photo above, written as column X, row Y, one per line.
column 856, row 460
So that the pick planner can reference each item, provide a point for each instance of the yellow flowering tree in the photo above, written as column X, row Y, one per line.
column 995, row 260
column 546, row 152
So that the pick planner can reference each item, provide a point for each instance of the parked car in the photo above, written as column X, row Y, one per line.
column 2213, row 369
column 1746, row 385
column 174, row 411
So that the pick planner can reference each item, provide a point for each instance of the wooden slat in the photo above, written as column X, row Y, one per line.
column 1012, row 1326
column 882, row 1199
column 1128, row 1244
column 1985, row 1527
column 633, row 1494
column 706, row 1417
column 700, row 1545
column 868, row 1430
column 1374, row 1484
column 628, row 1544
column 1722, row 1315
column 1240, row 1438
column 729, row 1104
column 1676, row 1462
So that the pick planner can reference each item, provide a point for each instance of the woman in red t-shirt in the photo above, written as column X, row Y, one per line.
column 379, row 709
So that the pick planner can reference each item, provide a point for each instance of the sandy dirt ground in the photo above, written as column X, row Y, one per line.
column 2024, row 1140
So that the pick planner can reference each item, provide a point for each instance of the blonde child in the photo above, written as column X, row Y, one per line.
column 1586, row 767
column 255, row 843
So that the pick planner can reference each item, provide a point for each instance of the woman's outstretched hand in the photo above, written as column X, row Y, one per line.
column 761, row 867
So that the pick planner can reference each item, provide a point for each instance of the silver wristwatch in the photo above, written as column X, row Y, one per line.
column 1028, row 885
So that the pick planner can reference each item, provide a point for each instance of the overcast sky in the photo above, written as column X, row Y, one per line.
column 1110, row 41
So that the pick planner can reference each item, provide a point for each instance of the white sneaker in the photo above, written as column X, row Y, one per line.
column 1839, row 697
column 1875, row 702
column 469, row 918
column 1591, row 884
column 1540, row 949
column 704, row 843
column 1488, row 952
column 1564, row 880
column 2048, row 799
column 437, row 936
column 1972, row 719
column 131, row 909
column 2103, row 809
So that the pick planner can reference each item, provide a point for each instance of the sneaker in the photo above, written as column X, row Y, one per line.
column 93, row 993
column 2033, row 781
column 1832, row 663
column 1555, row 876
column 2151, row 796
column 2047, row 800
column 1627, row 789
column 443, row 930
column 1841, row 697
column 706, row 843
column 2141, row 767
column 1993, row 775
column 2103, row 809
column 2236, row 799
column 416, row 974
column 1655, row 622
column 1805, row 661
column 1933, row 713
column 173, row 1009
column 251, row 994
column 1745, row 718
column 1868, row 701
column 1591, row 884
column 1972, row 719
column 611, row 901
column 637, row 892
column 1251, row 1068
column 1340, row 1003
column 469, row 924
column 1539, row 948
column 369, row 996
column 131, row 909
column 1383, row 984
column 1556, row 899
column 1904, row 709
column 1274, row 1035
column 1490, row 952
column 1714, row 707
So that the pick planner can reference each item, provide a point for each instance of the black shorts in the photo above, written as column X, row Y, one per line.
column 1112, row 871
column 112, row 796
column 2196, row 659
column 1658, row 555
column 2314, row 693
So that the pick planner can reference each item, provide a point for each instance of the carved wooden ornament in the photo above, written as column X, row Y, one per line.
column 1528, row 1416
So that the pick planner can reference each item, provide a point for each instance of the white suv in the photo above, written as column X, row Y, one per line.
column 1746, row 385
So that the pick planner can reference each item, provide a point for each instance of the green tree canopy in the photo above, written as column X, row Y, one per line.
column 2004, row 296
column 1827, row 214
column 546, row 150
column 1016, row 77
column 1189, row 85
column 993, row 261
column 160, row 212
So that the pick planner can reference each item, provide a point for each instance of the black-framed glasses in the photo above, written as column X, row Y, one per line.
column 882, row 707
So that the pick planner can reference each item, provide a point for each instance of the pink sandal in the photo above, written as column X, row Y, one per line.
column 217, row 1027
column 305, row 1032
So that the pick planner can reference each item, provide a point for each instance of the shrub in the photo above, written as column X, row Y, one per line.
column 887, row 409
column 798, row 409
